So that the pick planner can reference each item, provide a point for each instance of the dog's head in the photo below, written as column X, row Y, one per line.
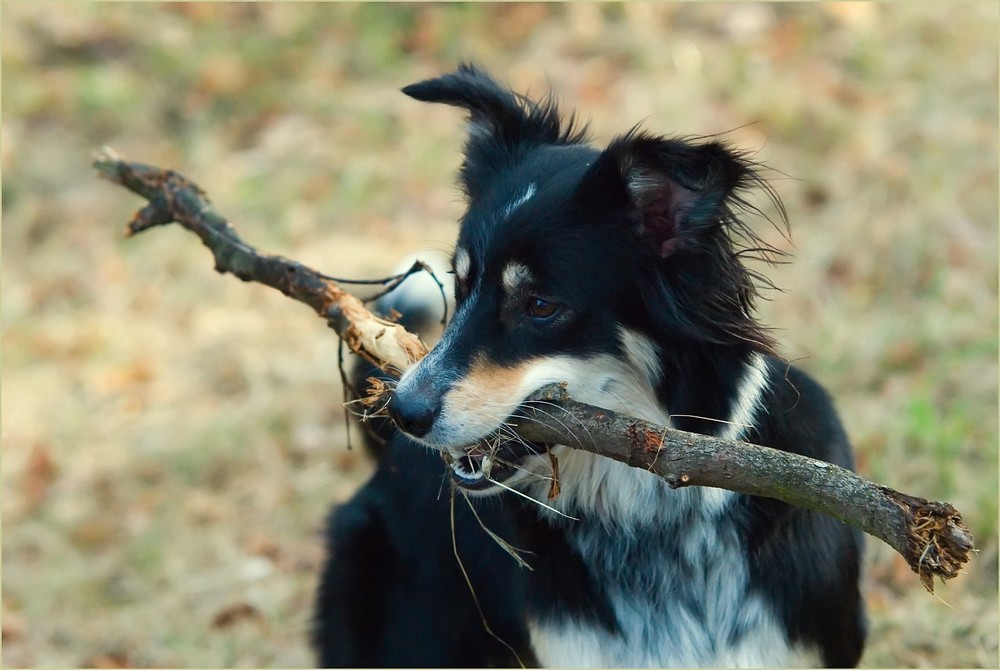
column 595, row 268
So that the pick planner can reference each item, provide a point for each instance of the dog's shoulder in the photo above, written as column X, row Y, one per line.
column 801, row 416
column 806, row 561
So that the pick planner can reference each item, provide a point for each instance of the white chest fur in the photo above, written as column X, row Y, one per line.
column 679, row 594
column 661, row 644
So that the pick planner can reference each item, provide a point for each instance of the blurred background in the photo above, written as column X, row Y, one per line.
column 173, row 439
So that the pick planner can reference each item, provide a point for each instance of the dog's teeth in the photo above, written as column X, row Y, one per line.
column 465, row 468
column 486, row 465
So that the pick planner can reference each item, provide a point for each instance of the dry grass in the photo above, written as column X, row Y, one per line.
column 172, row 439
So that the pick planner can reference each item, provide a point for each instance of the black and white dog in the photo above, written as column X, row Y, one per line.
column 619, row 272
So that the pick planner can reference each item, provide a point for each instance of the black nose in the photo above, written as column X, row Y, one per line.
column 414, row 413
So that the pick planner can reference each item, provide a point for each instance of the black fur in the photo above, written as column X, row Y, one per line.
column 392, row 593
column 626, row 266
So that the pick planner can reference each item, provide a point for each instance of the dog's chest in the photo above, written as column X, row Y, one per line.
column 679, row 594
column 572, row 644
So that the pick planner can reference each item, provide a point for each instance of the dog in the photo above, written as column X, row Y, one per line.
column 619, row 272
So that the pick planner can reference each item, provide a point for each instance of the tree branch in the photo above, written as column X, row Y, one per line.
column 930, row 535
column 174, row 198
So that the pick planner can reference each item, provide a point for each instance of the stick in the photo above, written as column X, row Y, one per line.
column 930, row 535
column 174, row 198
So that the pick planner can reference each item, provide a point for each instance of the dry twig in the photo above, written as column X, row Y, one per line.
column 174, row 198
column 930, row 535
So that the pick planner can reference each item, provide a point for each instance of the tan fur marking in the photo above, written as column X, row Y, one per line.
column 462, row 265
column 515, row 277
column 486, row 388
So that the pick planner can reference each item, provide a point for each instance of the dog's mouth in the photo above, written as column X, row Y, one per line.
column 489, row 462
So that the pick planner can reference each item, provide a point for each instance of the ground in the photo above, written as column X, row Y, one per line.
column 173, row 438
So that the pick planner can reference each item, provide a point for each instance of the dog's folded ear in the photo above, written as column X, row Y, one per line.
column 502, row 122
column 683, row 201
column 682, row 193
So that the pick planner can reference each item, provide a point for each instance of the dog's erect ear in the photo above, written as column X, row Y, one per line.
column 500, row 120
column 681, row 192
column 496, row 111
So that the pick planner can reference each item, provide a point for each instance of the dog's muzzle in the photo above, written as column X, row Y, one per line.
column 475, row 467
column 480, row 456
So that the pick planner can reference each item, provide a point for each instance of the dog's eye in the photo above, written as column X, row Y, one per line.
column 538, row 308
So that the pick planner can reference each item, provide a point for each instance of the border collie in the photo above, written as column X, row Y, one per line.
column 619, row 272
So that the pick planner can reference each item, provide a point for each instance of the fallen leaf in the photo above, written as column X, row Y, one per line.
column 13, row 626
column 234, row 614
column 260, row 543
column 109, row 660
column 39, row 474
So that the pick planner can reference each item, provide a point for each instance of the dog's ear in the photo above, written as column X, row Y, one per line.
column 502, row 123
column 683, row 201
column 679, row 192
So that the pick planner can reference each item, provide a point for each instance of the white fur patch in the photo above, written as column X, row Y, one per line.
column 748, row 399
column 643, row 353
column 668, row 642
column 518, row 201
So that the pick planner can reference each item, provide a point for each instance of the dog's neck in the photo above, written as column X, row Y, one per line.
column 713, row 390
column 721, row 397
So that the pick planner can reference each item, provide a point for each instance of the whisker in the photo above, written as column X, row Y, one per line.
column 534, row 404
column 708, row 418
column 509, row 430
column 531, row 473
column 527, row 497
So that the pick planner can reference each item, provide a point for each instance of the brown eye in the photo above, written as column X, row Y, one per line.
column 541, row 309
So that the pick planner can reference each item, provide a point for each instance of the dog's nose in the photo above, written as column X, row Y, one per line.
column 414, row 413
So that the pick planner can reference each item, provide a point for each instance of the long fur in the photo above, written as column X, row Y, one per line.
column 621, row 273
